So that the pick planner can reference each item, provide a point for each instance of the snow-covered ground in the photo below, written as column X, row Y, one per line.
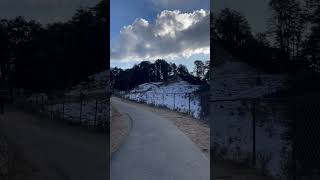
column 96, row 84
column 173, row 95
column 233, row 120
column 95, row 104
column 233, row 132
column 92, row 111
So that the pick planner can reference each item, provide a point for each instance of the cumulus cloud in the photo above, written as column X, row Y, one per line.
column 173, row 34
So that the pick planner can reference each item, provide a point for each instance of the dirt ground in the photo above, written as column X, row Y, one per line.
column 119, row 129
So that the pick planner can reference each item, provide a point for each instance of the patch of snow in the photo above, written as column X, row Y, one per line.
column 97, row 84
column 233, row 121
column 174, row 96
column 91, row 111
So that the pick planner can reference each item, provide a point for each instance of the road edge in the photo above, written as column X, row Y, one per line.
column 125, row 138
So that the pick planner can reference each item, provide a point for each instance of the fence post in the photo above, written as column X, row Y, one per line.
column 189, row 103
column 174, row 101
column 147, row 98
column 253, row 112
column 95, row 113
column 163, row 99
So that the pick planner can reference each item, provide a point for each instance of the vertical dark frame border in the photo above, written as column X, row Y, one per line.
column 212, row 50
column 108, row 159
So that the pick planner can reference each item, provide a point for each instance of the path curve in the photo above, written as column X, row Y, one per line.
column 156, row 150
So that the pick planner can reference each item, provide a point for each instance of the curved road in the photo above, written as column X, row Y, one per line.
column 156, row 150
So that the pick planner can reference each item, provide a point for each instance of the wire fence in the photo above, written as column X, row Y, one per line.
column 279, row 136
column 85, row 110
column 195, row 104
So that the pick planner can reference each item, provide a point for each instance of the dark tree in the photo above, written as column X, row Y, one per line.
column 311, row 50
column 207, row 71
column 182, row 70
column 174, row 69
column 162, row 69
column 232, row 29
column 199, row 69
column 146, row 71
column 75, row 49
column 287, row 25
column 5, row 62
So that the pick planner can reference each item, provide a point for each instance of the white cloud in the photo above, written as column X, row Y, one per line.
column 173, row 34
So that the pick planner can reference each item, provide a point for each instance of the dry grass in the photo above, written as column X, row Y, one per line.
column 119, row 127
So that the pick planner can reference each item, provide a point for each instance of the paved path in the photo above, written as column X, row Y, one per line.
column 58, row 151
column 156, row 150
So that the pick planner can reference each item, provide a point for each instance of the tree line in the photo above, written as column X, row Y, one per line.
column 57, row 55
column 290, row 43
column 159, row 71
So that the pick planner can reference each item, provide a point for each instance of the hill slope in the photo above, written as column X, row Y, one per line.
column 180, row 96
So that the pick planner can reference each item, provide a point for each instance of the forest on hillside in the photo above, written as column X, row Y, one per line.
column 57, row 55
column 158, row 71
column 290, row 44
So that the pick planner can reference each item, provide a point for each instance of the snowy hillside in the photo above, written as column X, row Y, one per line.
column 91, row 108
column 90, row 112
column 94, row 105
column 180, row 96
column 96, row 84
column 238, row 80
column 233, row 119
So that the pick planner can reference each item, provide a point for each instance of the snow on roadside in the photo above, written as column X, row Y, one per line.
column 232, row 128
column 95, row 104
column 91, row 112
column 174, row 96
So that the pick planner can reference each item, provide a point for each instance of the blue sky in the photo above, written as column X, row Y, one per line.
column 125, row 12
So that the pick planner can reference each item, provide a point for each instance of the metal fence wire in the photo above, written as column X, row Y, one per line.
column 81, row 109
column 279, row 136
column 195, row 104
